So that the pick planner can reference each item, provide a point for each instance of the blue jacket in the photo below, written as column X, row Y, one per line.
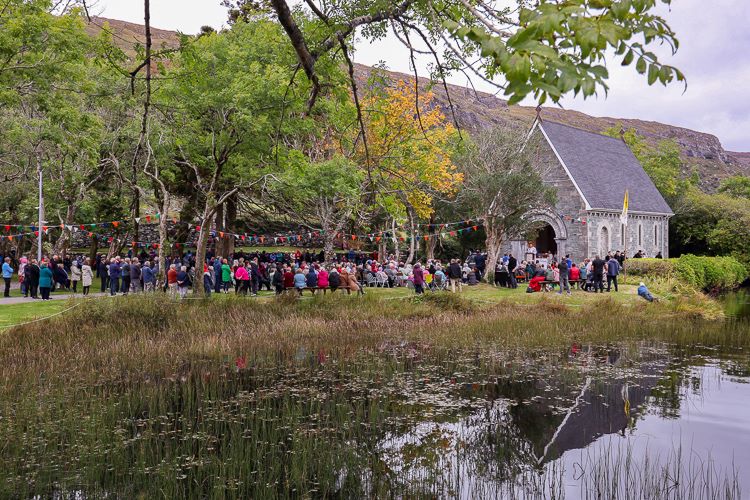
column 148, row 274
column 217, row 270
column 300, row 281
column 613, row 267
column 114, row 271
column 45, row 277
column 312, row 279
column 7, row 270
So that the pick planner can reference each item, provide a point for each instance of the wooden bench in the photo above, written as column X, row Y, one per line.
column 580, row 282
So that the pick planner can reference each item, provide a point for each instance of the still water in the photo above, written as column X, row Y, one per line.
column 404, row 420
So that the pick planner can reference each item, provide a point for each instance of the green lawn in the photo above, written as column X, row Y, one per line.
column 11, row 314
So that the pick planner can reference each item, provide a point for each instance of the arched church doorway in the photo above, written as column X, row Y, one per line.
column 545, row 241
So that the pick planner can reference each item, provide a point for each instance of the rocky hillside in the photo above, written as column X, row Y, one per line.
column 702, row 152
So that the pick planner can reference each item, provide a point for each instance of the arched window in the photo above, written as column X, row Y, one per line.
column 622, row 234
column 656, row 234
column 640, row 235
column 603, row 241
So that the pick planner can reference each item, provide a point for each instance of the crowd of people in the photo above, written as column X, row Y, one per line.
column 246, row 273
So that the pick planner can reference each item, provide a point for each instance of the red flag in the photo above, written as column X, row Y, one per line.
column 116, row 223
column 475, row 227
column 197, row 228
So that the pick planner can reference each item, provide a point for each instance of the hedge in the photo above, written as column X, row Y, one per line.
column 705, row 273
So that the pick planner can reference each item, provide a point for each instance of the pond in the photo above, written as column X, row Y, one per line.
column 737, row 304
column 637, row 420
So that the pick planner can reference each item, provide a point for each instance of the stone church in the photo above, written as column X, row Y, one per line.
column 591, row 173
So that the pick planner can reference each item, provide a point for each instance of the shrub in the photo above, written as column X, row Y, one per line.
column 703, row 273
column 651, row 268
column 711, row 273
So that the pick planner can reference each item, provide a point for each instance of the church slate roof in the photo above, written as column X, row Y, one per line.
column 603, row 168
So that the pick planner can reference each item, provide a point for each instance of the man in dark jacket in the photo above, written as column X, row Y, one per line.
column 101, row 271
column 613, row 270
column 217, row 275
column 512, row 265
column 563, row 270
column 597, row 268
column 31, row 277
column 454, row 273
column 114, row 276
column 278, row 279
column 125, row 275
column 135, row 276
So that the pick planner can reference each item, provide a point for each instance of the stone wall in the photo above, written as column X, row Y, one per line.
column 649, row 233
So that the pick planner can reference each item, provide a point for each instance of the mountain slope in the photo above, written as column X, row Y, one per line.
column 474, row 110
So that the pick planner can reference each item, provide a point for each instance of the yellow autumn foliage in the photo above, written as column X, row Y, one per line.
column 410, row 152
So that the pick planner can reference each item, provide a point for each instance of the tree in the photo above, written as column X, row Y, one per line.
column 662, row 162
column 542, row 47
column 221, row 105
column 503, row 183
column 737, row 186
column 408, row 152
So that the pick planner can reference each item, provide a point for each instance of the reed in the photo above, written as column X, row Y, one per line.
column 147, row 397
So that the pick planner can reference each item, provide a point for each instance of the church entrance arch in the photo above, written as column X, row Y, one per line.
column 552, row 237
column 545, row 240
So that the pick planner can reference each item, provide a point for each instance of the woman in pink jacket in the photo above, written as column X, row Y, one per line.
column 243, row 279
column 323, row 279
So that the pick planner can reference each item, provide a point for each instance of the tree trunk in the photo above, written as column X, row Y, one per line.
column 163, row 242
column 226, row 215
column 396, row 247
column 493, row 242
column 382, row 249
column 63, row 242
column 329, row 241
column 93, row 249
column 413, row 243
column 209, row 211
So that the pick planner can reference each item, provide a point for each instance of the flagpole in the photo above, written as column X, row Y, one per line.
column 41, row 216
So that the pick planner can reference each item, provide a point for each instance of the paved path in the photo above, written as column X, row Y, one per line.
column 53, row 296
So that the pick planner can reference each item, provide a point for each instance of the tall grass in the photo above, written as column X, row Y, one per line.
column 147, row 397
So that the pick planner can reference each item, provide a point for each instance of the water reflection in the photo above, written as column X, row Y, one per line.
column 405, row 420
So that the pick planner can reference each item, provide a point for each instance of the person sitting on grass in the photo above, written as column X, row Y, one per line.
column 472, row 277
column 644, row 293
column 439, row 279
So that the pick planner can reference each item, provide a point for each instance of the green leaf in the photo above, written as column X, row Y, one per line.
column 653, row 73
column 628, row 59
column 641, row 65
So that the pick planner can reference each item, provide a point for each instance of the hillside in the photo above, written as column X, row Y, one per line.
column 702, row 152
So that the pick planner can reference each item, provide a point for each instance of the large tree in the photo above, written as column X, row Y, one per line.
column 503, row 184
column 545, row 48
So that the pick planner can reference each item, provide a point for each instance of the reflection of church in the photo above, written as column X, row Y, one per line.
column 591, row 173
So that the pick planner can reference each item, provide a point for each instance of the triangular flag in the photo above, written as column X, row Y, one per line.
column 148, row 218
column 115, row 223
column 137, row 220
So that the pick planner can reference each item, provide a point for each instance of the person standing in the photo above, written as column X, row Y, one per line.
column 125, row 275
column 512, row 265
column 87, row 276
column 455, row 275
column 418, row 279
column 183, row 282
column 218, row 278
column 278, row 279
column 172, row 280
column 103, row 272
column 597, row 268
column 226, row 275
column 31, row 276
column 7, row 276
column 75, row 275
column 148, row 276
column 135, row 276
column 563, row 271
column 613, row 270
column 114, row 276
column 45, row 280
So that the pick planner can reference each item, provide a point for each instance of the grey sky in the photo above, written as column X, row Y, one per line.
column 714, row 55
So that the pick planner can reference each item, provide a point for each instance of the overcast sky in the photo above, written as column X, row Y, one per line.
column 714, row 55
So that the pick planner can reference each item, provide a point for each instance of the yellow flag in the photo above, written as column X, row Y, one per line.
column 624, row 214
